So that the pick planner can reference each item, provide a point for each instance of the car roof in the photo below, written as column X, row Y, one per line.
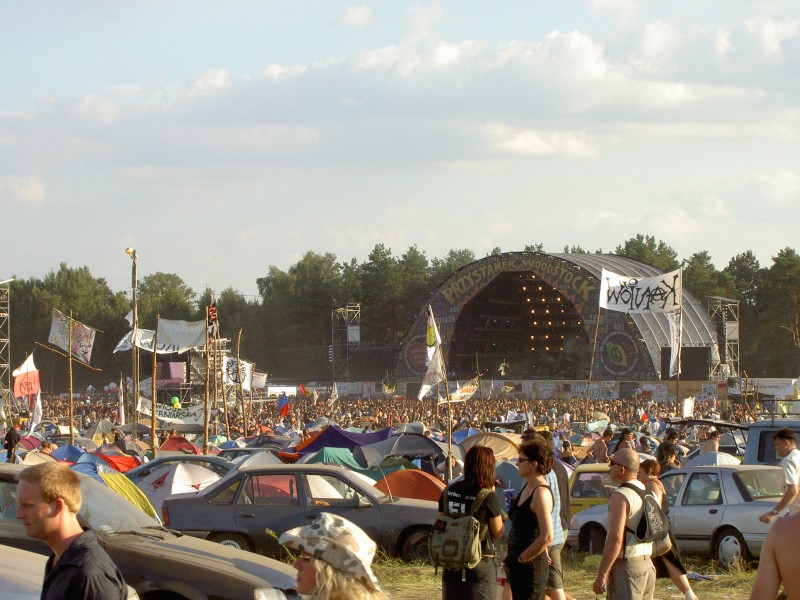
column 739, row 467
column 294, row 467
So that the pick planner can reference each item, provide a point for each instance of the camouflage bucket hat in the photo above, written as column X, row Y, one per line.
column 338, row 542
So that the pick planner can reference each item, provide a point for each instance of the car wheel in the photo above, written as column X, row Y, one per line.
column 415, row 546
column 730, row 548
column 233, row 540
column 595, row 539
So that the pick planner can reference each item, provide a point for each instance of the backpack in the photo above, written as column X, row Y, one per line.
column 455, row 541
column 653, row 526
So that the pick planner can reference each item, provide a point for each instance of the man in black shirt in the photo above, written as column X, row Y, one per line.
column 48, row 500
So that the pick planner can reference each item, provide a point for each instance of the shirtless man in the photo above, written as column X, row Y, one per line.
column 777, row 566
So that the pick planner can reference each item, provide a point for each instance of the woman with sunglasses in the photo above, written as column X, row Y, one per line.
column 531, row 526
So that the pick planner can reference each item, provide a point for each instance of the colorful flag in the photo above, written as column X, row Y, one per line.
column 283, row 404
column 304, row 391
column 26, row 378
column 213, row 321
column 80, row 347
column 635, row 294
column 644, row 417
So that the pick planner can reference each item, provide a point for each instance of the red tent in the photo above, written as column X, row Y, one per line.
column 181, row 444
column 411, row 483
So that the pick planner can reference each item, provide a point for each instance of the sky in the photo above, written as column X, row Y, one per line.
column 220, row 138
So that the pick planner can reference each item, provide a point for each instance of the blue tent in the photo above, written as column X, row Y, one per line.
column 332, row 437
column 343, row 456
column 462, row 434
column 68, row 453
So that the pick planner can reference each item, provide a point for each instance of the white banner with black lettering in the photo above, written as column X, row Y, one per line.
column 230, row 372
column 634, row 294
column 191, row 415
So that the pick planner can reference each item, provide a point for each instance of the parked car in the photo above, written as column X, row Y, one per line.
column 251, row 506
column 23, row 574
column 219, row 465
column 589, row 485
column 760, row 449
column 156, row 562
column 712, row 510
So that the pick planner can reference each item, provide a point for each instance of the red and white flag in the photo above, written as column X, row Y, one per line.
column 26, row 379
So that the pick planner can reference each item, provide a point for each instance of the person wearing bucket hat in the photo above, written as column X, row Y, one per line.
column 334, row 560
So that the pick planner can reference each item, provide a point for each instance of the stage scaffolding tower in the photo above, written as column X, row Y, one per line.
column 345, row 339
column 6, row 393
column 724, row 313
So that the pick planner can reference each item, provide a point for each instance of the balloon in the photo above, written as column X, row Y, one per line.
column 176, row 405
column 112, row 386
column 175, row 400
column 105, row 388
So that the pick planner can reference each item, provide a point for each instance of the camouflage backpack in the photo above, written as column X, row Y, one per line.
column 455, row 541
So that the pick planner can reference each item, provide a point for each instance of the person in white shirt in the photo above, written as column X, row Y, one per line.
column 786, row 448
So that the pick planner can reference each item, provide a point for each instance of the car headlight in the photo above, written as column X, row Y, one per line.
column 274, row 594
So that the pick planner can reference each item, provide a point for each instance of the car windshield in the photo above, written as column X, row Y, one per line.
column 106, row 511
column 761, row 483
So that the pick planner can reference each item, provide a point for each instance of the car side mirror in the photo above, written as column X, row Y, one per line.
column 364, row 502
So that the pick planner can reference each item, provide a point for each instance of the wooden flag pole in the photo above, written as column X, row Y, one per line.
column 153, row 418
column 206, row 414
column 69, row 368
column 241, row 382
column 591, row 364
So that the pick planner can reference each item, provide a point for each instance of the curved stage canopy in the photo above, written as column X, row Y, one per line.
column 526, row 315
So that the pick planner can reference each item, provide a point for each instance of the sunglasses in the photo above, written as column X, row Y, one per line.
column 612, row 463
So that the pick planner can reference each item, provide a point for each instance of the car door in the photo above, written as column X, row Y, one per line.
column 697, row 511
column 268, row 502
column 329, row 493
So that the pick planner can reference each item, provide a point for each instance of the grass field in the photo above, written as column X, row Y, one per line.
column 404, row 581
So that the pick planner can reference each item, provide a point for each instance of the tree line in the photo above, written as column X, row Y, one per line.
column 287, row 329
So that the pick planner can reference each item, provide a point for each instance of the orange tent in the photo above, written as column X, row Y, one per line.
column 180, row 443
column 411, row 483
column 119, row 462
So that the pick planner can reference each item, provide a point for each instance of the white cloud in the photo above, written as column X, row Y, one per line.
column 538, row 142
column 771, row 33
column 658, row 42
column 212, row 80
column 780, row 187
column 422, row 19
column 624, row 11
column 357, row 15
column 30, row 191
column 98, row 108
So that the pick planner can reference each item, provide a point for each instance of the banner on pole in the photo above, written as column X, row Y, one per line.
column 82, row 337
column 190, row 415
column 634, row 294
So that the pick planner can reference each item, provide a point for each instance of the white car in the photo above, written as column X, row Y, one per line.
column 712, row 510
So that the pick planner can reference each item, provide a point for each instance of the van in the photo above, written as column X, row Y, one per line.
column 760, row 449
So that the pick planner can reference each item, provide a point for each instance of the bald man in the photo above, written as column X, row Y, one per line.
column 626, row 571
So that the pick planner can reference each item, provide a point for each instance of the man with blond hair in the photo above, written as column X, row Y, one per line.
column 48, row 501
column 626, row 571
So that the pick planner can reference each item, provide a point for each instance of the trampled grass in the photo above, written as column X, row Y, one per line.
column 416, row 581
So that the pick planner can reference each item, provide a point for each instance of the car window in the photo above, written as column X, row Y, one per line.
column 760, row 484
column 327, row 490
column 592, row 485
column 274, row 489
column 702, row 489
column 226, row 494
column 672, row 483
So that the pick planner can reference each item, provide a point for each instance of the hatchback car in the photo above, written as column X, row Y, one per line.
column 251, row 506
column 156, row 562
column 589, row 485
column 712, row 510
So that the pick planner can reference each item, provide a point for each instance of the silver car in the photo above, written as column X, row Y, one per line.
column 712, row 510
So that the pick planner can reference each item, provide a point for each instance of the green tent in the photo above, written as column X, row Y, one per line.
column 344, row 457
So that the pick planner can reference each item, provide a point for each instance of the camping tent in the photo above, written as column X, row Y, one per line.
column 411, row 483
column 344, row 457
column 180, row 478
column 410, row 445
column 504, row 445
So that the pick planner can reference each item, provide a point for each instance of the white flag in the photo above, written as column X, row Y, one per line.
column 144, row 341
column 37, row 411
column 675, row 339
column 121, row 401
column 259, row 380
column 432, row 338
column 82, row 337
column 634, row 294
column 230, row 372
column 433, row 375
column 463, row 393
column 334, row 395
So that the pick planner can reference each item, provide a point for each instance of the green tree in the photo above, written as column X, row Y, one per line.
column 702, row 278
column 167, row 295
column 533, row 248
column 442, row 268
column 779, row 347
column 645, row 249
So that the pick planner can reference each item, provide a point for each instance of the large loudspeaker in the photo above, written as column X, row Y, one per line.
column 695, row 363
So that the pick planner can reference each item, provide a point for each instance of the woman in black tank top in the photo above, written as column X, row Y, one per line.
column 531, row 526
